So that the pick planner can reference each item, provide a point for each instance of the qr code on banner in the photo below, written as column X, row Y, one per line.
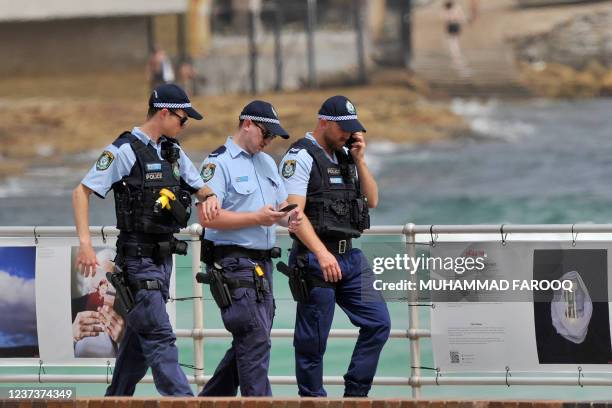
column 454, row 357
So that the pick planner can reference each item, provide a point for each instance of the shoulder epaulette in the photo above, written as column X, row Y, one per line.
column 125, row 137
column 218, row 151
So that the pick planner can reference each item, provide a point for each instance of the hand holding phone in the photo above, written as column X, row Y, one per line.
column 288, row 208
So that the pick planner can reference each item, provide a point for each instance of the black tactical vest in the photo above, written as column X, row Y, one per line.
column 137, row 193
column 334, row 204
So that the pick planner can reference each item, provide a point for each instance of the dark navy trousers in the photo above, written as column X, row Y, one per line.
column 149, row 340
column 245, row 364
column 365, row 308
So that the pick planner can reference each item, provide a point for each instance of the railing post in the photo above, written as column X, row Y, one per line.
column 198, row 305
column 413, row 309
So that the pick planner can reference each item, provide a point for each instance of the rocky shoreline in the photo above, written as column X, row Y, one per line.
column 54, row 129
column 572, row 60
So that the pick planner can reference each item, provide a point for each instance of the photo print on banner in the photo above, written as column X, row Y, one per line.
column 18, row 332
column 573, row 327
column 97, row 318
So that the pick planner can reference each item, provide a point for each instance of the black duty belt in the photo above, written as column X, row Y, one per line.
column 335, row 246
column 144, row 238
column 145, row 284
column 236, row 251
column 137, row 249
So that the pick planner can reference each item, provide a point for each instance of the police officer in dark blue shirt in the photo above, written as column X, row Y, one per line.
column 325, row 173
column 242, row 240
column 152, row 180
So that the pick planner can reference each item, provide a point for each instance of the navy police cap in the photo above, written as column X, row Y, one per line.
column 172, row 96
column 263, row 112
column 339, row 109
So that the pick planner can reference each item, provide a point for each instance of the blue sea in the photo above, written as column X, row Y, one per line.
column 534, row 161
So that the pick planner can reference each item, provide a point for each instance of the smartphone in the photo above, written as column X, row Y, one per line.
column 288, row 208
column 349, row 142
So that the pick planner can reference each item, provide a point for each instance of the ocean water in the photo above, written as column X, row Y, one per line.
column 531, row 161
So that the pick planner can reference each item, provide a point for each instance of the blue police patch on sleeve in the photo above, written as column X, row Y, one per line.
column 288, row 168
column 208, row 172
column 104, row 161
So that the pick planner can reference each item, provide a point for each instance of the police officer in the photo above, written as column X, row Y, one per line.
column 241, row 243
column 152, row 180
column 325, row 174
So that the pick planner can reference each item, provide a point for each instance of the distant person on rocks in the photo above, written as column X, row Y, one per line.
column 187, row 75
column 454, row 18
column 474, row 10
column 159, row 68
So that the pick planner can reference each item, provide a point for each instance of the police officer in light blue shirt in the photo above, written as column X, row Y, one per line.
column 145, row 168
column 241, row 243
column 325, row 173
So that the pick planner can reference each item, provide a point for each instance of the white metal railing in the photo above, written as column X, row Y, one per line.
column 413, row 333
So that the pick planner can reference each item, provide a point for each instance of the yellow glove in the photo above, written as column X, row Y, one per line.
column 165, row 196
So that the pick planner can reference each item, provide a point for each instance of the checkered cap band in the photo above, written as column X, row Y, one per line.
column 260, row 119
column 171, row 105
column 338, row 118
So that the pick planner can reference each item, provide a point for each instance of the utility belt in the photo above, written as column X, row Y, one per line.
column 236, row 251
column 158, row 251
column 211, row 253
column 126, row 292
column 335, row 246
column 300, row 281
column 221, row 285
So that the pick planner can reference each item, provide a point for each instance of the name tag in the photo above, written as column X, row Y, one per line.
column 335, row 180
column 154, row 176
column 242, row 179
column 153, row 166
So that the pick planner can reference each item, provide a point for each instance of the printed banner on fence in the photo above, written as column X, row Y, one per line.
column 540, row 327
column 51, row 312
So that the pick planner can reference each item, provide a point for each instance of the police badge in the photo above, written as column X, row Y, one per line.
column 105, row 160
column 350, row 107
column 176, row 170
column 208, row 172
column 288, row 168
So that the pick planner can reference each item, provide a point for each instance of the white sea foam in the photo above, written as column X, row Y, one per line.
column 484, row 121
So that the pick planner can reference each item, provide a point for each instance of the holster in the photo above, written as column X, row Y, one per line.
column 297, row 285
column 118, row 279
column 218, row 286
column 300, row 282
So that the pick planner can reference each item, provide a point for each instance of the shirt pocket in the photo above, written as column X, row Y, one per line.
column 274, row 189
column 243, row 185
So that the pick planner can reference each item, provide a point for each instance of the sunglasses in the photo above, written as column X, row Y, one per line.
column 265, row 132
column 182, row 119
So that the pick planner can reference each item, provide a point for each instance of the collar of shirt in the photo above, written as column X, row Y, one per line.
column 233, row 149
column 310, row 137
column 144, row 138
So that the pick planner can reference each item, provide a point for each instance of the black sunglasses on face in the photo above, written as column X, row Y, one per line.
column 265, row 132
column 182, row 119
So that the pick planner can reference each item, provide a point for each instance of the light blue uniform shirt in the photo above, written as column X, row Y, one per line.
column 295, row 168
column 243, row 183
column 103, row 174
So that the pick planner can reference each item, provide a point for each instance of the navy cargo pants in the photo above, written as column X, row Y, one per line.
column 149, row 340
column 246, row 363
column 366, row 309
